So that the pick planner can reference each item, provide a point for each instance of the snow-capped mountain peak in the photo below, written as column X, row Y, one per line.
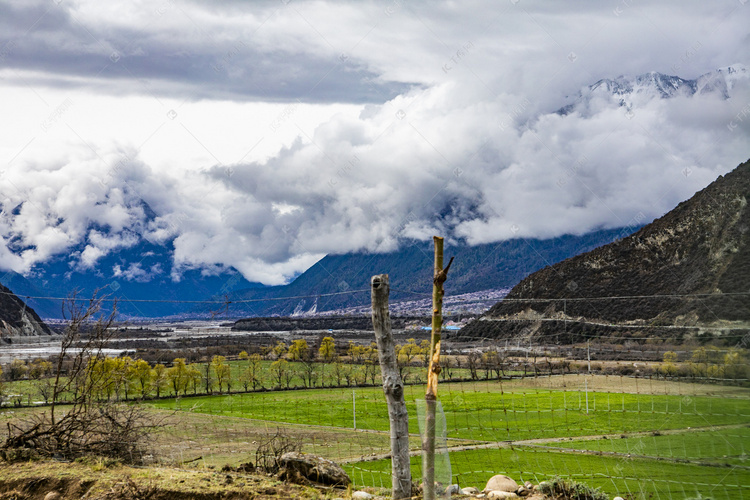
column 630, row 91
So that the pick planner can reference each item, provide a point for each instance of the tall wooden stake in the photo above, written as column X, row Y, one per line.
column 428, row 444
column 393, row 387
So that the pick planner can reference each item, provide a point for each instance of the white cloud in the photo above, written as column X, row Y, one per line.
column 135, row 272
column 100, row 244
column 266, row 135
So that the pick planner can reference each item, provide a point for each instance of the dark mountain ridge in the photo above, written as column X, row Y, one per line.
column 342, row 281
column 139, row 277
column 691, row 267
column 17, row 319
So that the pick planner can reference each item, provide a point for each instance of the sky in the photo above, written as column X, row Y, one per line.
column 264, row 135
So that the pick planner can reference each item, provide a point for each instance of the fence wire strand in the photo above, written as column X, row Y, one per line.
column 647, row 417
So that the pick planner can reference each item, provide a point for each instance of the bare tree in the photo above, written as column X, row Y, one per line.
column 447, row 365
column 473, row 360
column 88, row 426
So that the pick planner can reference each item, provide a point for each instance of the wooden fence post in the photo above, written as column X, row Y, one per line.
column 428, row 443
column 393, row 387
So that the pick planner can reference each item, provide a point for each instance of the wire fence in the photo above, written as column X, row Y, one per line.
column 643, row 414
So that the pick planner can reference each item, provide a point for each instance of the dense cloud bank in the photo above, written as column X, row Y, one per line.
column 428, row 120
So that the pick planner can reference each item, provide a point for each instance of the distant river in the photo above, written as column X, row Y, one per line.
column 29, row 352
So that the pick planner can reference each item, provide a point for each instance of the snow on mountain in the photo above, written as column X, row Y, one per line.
column 631, row 91
column 734, row 73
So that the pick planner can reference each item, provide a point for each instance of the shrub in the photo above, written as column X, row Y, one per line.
column 272, row 448
column 560, row 489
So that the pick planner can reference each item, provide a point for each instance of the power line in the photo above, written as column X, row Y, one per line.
column 619, row 297
column 227, row 301
column 350, row 292
column 609, row 297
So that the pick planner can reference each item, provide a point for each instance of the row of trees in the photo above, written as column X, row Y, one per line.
column 707, row 362
column 118, row 378
column 19, row 369
column 122, row 378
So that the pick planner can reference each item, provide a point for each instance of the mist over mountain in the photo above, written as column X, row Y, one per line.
column 328, row 285
column 129, row 266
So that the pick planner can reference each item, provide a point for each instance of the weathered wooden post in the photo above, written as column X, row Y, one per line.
column 393, row 387
column 428, row 443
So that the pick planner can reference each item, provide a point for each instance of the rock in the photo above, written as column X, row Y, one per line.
column 501, row 483
column 469, row 490
column 53, row 495
column 453, row 489
column 501, row 495
column 361, row 495
column 522, row 491
column 314, row 468
column 528, row 485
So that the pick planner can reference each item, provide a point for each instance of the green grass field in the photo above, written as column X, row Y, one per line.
column 482, row 416
column 614, row 475
column 647, row 438
column 719, row 446
column 675, row 441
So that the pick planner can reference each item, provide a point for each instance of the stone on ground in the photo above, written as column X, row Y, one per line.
column 469, row 490
column 501, row 495
column 313, row 468
column 362, row 495
column 501, row 483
